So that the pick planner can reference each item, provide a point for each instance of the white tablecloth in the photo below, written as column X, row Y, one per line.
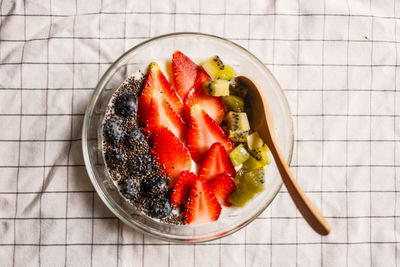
column 337, row 62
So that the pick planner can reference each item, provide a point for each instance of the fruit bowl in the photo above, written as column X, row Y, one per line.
column 197, row 46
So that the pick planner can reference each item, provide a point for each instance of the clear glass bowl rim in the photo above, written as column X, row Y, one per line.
column 92, row 103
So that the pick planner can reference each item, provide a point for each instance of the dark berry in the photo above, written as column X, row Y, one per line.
column 160, row 209
column 113, row 130
column 126, row 105
column 130, row 188
column 155, row 187
column 114, row 156
column 135, row 137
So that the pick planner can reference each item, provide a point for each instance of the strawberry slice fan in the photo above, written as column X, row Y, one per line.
column 189, row 79
column 203, row 132
column 216, row 162
column 159, row 105
column 202, row 206
column 171, row 153
column 182, row 188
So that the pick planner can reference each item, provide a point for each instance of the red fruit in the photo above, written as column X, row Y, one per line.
column 222, row 187
column 203, row 132
column 201, row 78
column 184, row 72
column 182, row 188
column 201, row 206
column 161, row 114
column 213, row 105
column 171, row 153
column 157, row 82
column 216, row 162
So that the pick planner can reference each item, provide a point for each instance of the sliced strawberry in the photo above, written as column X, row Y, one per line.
column 161, row 114
column 216, row 162
column 203, row 132
column 211, row 104
column 184, row 71
column 171, row 153
column 170, row 94
column 201, row 206
column 157, row 82
column 201, row 78
column 182, row 187
column 222, row 187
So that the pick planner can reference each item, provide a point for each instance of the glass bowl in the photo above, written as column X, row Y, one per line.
column 195, row 46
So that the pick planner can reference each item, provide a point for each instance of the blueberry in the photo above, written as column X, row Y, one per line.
column 113, row 130
column 135, row 137
column 155, row 187
column 115, row 156
column 130, row 188
column 126, row 105
column 160, row 209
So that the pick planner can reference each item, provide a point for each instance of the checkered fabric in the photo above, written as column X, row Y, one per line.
column 337, row 61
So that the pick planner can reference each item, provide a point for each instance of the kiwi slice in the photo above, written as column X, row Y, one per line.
column 250, row 183
column 261, row 154
column 238, row 136
column 238, row 89
column 254, row 141
column 233, row 103
column 239, row 155
column 217, row 87
column 252, row 164
column 217, row 69
column 240, row 197
column 237, row 121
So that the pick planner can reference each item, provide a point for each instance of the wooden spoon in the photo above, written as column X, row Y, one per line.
column 263, row 124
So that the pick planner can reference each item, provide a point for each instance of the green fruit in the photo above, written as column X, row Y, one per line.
column 233, row 103
column 253, row 181
column 239, row 174
column 250, row 183
column 238, row 89
column 254, row 141
column 217, row 69
column 261, row 154
column 217, row 87
column 237, row 121
column 238, row 136
column 238, row 125
column 252, row 164
column 240, row 197
column 239, row 155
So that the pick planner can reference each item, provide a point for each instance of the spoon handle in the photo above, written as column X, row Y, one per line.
column 303, row 204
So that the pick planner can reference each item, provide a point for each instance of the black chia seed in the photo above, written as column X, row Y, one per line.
column 138, row 161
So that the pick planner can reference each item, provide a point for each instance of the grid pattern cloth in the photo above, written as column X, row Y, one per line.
column 337, row 61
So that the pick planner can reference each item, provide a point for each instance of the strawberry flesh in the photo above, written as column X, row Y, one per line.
column 203, row 132
column 171, row 153
column 222, row 187
column 161, row 114
column 216, row 162
column 184, row 72
column 182, row 187
column 212, row 104
column 157, row 82
column 202, row 205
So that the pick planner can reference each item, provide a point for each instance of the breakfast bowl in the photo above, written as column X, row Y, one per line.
column 197, row 46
